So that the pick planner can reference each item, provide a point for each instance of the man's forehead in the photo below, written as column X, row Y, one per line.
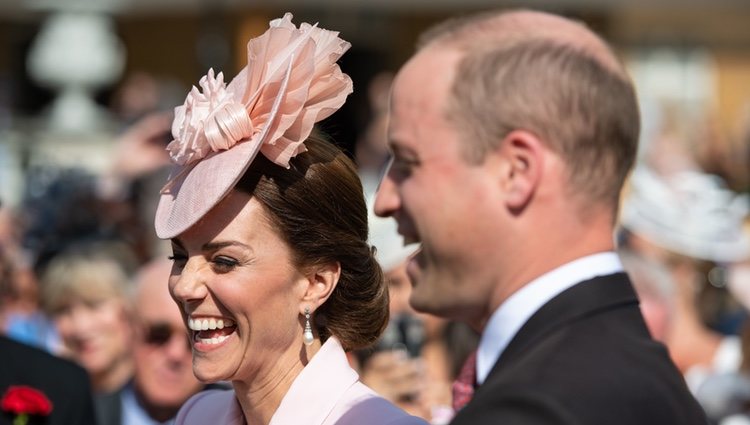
column 424, row 82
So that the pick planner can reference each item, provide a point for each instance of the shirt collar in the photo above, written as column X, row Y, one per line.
column 520, row 306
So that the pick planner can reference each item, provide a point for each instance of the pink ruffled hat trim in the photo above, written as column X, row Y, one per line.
column 291, row 82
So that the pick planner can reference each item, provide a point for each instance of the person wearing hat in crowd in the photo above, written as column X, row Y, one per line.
column 393, row 367
column 691, row 224
column 272, row 270
column 655, row 288
column 419, row 355
column 512, row 133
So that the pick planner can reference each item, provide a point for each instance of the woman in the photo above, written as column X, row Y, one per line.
column 85, row 292
column 272, row 271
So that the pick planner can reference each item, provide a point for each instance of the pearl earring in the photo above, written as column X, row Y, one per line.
column 307, row 335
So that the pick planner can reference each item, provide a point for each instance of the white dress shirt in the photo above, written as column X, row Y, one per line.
column 519, row 307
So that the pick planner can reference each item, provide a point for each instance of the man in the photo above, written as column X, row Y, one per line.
column 62, row 382
column 163, row 378
column 512, row 134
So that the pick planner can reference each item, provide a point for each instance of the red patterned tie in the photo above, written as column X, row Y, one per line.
column 463, row 386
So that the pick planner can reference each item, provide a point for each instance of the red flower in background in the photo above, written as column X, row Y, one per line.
column 24, row 401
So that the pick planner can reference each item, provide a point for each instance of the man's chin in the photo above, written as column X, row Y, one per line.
column 414, row 268
column 423, row 303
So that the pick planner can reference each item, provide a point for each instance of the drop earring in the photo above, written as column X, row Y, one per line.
column 307, row 335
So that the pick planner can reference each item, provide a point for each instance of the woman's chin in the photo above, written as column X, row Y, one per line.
column 209, row 376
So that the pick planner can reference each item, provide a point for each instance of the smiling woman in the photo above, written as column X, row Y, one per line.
column 85, row 291
column 272, row 271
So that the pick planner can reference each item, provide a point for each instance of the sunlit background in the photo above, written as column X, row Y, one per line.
column 87, row 88
column 80, row 78
column 74, row 73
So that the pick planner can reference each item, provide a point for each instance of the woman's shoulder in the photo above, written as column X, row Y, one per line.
column 215, row 406
column 362, row 406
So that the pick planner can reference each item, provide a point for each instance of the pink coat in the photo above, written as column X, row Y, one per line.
column 326, row 392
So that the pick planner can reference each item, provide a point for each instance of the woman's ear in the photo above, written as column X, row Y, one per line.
column 322, row 280
column 521, row 155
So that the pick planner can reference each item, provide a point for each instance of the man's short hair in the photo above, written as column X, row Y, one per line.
column 572, row 97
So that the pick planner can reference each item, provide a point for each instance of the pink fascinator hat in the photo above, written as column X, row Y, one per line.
column 291, row 82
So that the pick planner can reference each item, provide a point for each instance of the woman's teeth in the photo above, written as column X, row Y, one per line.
column 214, row 340
column 206, row 324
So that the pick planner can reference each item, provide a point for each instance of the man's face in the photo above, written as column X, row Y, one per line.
column 437, row 197
column 163, row 358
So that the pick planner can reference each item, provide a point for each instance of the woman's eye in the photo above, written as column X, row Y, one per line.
column 178, row 259
column 224, row 264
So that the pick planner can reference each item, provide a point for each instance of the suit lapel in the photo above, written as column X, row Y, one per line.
column 583, row 299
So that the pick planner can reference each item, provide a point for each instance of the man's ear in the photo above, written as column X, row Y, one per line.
column 322, row 280
column 521, row 159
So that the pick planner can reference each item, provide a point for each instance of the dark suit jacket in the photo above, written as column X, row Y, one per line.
column 585, row 358
column 63, row 382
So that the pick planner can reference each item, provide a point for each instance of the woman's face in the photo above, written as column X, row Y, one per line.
column 96, row 332
column 231, row 269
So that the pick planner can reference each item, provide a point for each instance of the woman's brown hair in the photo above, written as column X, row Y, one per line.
column 318, row 208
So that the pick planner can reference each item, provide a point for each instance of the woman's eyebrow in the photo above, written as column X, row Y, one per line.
column 214, row 245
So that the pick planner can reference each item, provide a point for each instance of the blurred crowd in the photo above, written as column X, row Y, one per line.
column 83, row 277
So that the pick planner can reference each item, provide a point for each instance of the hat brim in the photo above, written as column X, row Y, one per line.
column 199, row 187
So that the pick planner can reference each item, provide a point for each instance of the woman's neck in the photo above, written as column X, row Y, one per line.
column 261, row 395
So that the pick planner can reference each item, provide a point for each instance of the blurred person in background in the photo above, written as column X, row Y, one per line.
column 655, row 289
column 86, row 292
column 163, row 379
column 140, row 164
column 67, row 206
column 371, row 149
column 417, row 358
column 419, row 355
column 21, row 317
column 691, row 224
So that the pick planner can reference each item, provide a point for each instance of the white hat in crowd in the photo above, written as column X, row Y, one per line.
column 689, row 213
column 384, row 236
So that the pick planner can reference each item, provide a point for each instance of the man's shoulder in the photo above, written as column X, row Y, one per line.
column 535, row 404
column 586, row 371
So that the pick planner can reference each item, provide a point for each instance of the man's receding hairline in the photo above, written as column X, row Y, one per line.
column 498, row 30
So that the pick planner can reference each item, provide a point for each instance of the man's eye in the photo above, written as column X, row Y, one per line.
column 402, row 166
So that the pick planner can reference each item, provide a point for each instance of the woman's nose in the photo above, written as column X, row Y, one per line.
column 189, row 284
